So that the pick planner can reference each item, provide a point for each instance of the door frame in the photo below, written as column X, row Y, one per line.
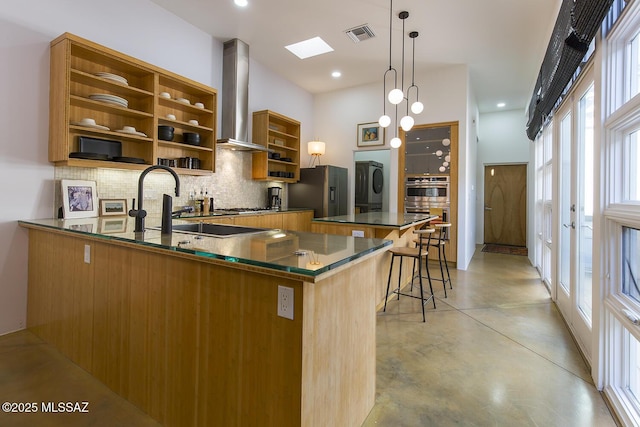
column 583, row 333
column 452, row 248
column 484, row 193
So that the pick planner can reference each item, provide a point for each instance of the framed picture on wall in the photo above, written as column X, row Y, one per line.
column 113, row 207
column 370, row 134
column 79, row 199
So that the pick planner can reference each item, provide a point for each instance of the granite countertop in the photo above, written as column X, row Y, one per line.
column 380, row 219
column 303, row 253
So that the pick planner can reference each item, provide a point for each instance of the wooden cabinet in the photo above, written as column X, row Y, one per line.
column 281, row 135
column 412, row 158
column 261, row 221
column 83, row 73
column 297, row 221
column 293, row 221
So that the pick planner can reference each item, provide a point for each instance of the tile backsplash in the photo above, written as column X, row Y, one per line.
column 231, row 185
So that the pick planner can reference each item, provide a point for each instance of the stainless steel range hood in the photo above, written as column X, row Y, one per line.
column 235, row 98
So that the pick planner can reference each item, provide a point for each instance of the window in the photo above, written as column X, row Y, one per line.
column 630, row 258
column 621, row 188
column 631, row 164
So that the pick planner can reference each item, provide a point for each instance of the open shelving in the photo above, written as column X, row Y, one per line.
column 75, row 64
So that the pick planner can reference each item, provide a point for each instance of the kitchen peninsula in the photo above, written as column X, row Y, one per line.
column 397, row 227
column 187, row 326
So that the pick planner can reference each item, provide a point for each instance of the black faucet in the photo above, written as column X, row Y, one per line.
column 139, row 214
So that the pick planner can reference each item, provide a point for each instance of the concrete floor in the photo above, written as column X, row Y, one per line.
column 494, row 353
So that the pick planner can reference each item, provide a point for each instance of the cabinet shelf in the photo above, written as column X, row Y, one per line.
column 104, row 107
column 111, row 134
column 183, row 146
column 172, row 103
column 75, row 63
column 282, row 147
column 268, row 126
column 279, row 133
column 81, row 77
column 185, row 125
column 282, row 162
column 84, row 163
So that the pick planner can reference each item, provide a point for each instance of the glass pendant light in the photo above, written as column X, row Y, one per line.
column 396, row 96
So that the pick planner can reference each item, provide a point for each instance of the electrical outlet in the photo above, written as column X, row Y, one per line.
column 285, row 302
column 87, row 254
column 357, row 233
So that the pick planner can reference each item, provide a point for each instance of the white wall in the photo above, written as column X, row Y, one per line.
column 445, row 94
column 502, row 140
column 138, row 28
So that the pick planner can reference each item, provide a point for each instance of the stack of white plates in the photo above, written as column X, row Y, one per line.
column 109, row 99
column 114, row 77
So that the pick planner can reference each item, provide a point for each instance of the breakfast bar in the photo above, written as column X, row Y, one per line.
column 397, row 227
column 203, row 330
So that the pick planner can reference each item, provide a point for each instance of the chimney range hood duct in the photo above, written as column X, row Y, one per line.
column 235, row 98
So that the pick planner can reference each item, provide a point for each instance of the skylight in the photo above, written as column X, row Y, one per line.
column 308, row 48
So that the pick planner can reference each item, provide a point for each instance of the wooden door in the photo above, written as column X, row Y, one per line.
column 505, row 204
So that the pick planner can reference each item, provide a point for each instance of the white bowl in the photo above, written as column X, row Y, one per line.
column 193, row 122
column 165, row 95
column 183, row 100
column 199, row 104
column 171, row 117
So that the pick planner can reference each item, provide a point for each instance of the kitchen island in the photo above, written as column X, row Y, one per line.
column 187, row 327
column 397, row 227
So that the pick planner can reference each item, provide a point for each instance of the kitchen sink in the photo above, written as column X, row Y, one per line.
column 216, row 230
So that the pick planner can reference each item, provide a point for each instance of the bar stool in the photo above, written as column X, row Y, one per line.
column 439, row 241
column 417, row 253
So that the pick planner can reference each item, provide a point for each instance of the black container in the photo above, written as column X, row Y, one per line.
column 184, row 162
column 191, row 138
column 107, row 147
column 165, row 133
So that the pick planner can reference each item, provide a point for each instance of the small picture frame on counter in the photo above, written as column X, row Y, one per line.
column 113, row 207
column 113, row 225
column 79, row 199
column 370, row 134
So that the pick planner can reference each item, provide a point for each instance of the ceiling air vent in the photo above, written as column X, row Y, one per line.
column 360, row 33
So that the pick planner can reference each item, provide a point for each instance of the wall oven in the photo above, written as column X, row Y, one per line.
column 425, row 190
column 427, row 195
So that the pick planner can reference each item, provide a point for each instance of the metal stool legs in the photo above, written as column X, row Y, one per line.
column 397, row 290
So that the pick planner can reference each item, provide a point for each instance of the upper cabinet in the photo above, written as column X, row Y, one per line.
column 99, row 94
column 281, row 135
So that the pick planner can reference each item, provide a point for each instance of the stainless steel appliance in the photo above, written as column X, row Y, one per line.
column 424, row 190
column 425, row 193
column 369, row 186
column 323, row 188
column 235, row 98
column 274, row 198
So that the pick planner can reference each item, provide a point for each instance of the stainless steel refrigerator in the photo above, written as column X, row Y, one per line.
column 323, row 189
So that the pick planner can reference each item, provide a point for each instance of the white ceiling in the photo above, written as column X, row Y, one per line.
column 502, row 41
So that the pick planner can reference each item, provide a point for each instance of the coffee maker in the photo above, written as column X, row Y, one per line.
column 275, row 201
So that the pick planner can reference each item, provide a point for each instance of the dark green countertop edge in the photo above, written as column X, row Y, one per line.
column 172, row 248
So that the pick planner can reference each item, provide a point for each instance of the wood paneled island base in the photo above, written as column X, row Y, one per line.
column 196, row 341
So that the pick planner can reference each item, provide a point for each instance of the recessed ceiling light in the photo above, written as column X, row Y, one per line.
column 336, row 74
column 241, row 3
column 308, row 48
column 501, row 104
